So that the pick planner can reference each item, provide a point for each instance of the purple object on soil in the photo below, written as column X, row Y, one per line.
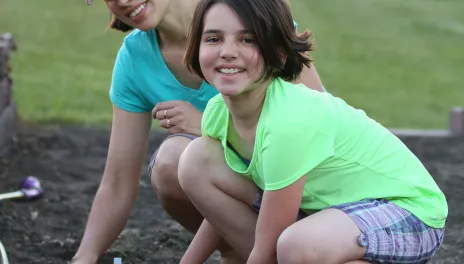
column 31, row 188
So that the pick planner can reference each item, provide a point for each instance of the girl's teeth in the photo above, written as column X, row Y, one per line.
column 137, row 11
column 229, row 71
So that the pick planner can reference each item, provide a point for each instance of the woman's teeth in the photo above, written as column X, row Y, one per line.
column 230, row 71
column 138, row 10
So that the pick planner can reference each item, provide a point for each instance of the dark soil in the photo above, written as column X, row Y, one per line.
column 69, row 162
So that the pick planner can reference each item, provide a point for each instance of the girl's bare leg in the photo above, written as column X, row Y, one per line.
column 223, row 198
column 327, row 237
column 175, row 202
column 220, row 195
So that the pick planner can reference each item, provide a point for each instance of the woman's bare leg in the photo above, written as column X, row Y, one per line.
column 165, row 181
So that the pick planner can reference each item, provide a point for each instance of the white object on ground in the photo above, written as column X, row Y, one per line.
column 3, row 256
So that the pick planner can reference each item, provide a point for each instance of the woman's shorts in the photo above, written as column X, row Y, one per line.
column 389, row 233
column 153, row 157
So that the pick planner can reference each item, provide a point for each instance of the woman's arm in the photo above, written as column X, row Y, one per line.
column 279, row 209
column 310, row 78
column 118, row 189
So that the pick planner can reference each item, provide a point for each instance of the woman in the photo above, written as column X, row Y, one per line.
column 289, row 175
column 150, row 80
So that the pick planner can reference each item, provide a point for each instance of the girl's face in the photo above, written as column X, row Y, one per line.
column 229, row 57
column 142, row 14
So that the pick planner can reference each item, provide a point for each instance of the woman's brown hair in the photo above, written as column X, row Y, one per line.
column 117, row 24
column 270, row 21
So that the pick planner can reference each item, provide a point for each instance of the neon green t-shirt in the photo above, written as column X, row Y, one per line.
column 345, row 155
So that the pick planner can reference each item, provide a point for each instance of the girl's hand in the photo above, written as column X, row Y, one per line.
column 257, row 257
column 178, row 117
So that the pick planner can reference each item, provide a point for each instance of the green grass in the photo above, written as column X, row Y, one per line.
column 400, row 61
column 62, row 68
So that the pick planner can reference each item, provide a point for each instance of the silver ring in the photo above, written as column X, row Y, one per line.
column 165, row 114
column 168, row 123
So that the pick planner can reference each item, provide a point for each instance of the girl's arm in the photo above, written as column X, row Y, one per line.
column 279, row 209
column 204, row 243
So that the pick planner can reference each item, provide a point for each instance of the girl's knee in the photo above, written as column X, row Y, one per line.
column 289, row 250
column 296, row 246
column 202, row 149
column 196, row 161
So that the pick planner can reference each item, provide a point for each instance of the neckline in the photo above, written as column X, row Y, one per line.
column 252, row 161
column 157, row 49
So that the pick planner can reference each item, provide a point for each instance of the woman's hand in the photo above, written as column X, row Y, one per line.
column 83, row 260
column 178, row 117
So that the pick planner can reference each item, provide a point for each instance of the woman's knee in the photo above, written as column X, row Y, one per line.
column 164, row 177
column 196, row 161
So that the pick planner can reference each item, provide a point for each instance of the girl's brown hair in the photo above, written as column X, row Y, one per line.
column 271, row 24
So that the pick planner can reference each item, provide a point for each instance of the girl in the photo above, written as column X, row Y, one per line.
column 149, row 78
column 329, row 184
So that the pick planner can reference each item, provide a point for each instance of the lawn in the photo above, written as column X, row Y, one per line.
column 397, row 60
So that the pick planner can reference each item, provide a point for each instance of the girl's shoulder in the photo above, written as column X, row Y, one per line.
column 296, row 105
column 296, row 97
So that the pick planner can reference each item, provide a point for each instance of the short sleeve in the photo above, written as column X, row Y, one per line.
column 123, row 91
column 291, row 151
column 214, row 119
column 206, row 120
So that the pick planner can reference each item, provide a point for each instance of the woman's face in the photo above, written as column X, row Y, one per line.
column 229, row 57
column 142, row 14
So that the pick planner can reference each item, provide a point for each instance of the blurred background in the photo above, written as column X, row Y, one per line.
column 400, row 61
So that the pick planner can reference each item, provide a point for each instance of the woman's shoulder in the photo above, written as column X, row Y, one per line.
column 138, row 50
column 139, row 41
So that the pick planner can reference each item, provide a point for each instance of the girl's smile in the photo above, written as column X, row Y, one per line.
column 229, row 57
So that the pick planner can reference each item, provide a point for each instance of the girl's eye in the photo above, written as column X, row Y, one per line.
column 248, row 40
column 213, row 39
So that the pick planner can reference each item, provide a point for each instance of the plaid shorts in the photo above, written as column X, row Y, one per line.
column 151, row 163
column 389, row 233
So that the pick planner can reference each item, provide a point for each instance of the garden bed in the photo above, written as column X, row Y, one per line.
column 70, row 161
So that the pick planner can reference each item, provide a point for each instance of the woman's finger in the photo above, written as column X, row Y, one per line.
column 166, row 113
column 166, row 105
column 169, row 122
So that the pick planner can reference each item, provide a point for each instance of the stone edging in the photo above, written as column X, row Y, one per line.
column 8, row 109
